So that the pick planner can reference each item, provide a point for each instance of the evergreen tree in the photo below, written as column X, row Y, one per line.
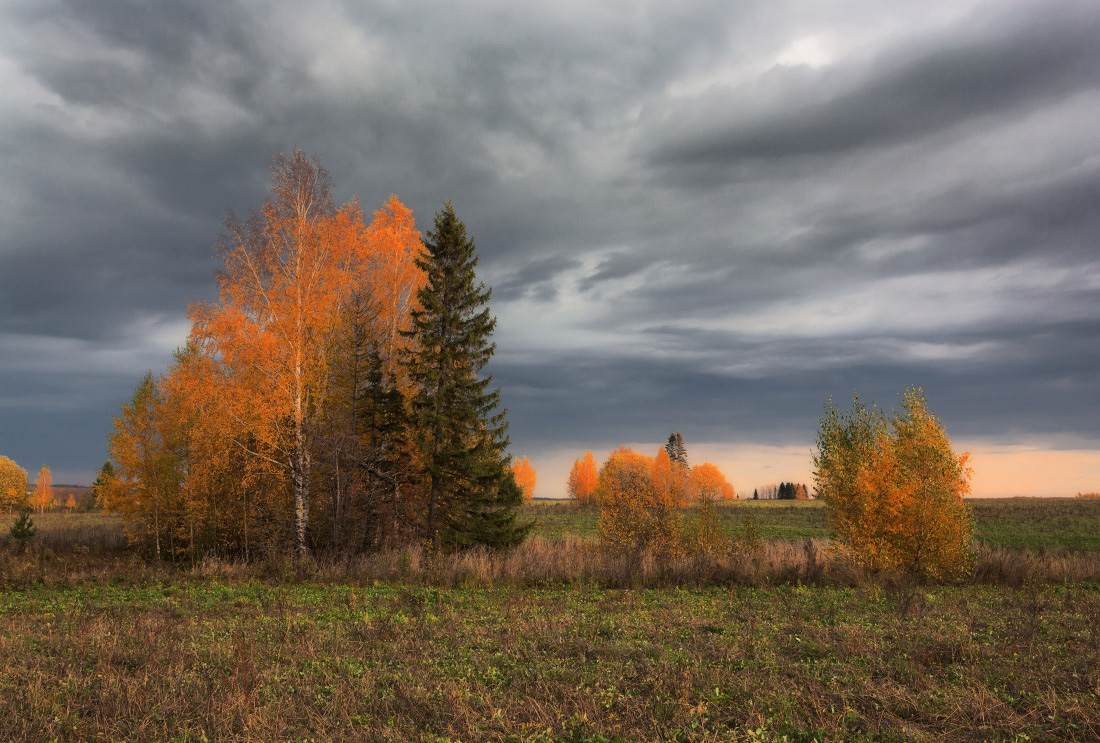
column 472, row 496
column 677, row 452
column 23, row 529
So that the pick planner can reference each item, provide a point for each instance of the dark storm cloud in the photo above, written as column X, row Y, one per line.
column 992, row 66
column 682, row 219
column 536, row 277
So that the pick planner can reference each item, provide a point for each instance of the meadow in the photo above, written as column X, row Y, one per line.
column 554, row 643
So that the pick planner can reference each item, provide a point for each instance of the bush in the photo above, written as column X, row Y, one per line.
column 23, row 530
column 894, row 488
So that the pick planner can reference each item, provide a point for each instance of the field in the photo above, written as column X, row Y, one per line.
column 550, row 644
column 1022, row 523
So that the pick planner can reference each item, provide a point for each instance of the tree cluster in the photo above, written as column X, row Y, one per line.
column 894, row 488
column 792, row 491
column 643, row 503
column 333, row 398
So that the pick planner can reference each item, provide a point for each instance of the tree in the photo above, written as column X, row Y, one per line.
column 706, row 482
column 43, row 490
column 637, row 513
column 472, row 495
column 13, row 484
column 71, row 503
column 101, row 487
column 582, row 479
column 525, row 477
column 149, row 472
column 288, row 268
column 23, row 530
column 894, row 488
column 677, row 452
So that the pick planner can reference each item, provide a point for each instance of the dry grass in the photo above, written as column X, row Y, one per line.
column 550, row 642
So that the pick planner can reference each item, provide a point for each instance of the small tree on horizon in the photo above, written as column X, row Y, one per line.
column 582, row 479
column 43, row 490
column 525, row 477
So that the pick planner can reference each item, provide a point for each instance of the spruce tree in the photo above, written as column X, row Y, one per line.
column 472, row 497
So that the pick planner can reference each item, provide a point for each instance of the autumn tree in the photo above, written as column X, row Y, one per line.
column 13, row 484
column 583, row 479
column 524, row 474
column 288, row 268
column 706, row 482
column 43, row 490
column 460, row 433
column 71, row 503
column 637, row 509
column 894, row 488
column 147, row 469
column 105, row 476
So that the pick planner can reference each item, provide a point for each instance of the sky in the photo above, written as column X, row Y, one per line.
column 696, row 216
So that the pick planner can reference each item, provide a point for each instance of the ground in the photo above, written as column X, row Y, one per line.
column 97, row 643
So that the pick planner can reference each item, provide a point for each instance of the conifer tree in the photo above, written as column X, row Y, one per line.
column 460, row 434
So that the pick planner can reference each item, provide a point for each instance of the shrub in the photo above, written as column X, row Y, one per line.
column 894, row 488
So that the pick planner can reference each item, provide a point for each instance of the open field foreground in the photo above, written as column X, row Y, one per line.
column 247, row 661
column 552, row 643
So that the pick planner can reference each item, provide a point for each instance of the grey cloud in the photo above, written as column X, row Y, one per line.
column 534, row 277
column 988, row 67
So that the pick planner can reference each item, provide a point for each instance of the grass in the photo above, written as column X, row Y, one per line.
column 1019, row 523
column 552, row 643
column 194, row 658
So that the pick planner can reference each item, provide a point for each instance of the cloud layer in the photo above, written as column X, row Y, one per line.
column 702, row 216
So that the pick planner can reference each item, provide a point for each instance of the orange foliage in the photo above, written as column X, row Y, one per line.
column 391, row 277
column 288, row 270
column 525, row 477
column 895, row 489
column 638, row 509
column 272, row 415
column 43, row 491
column 583, row 478
column 706, row 482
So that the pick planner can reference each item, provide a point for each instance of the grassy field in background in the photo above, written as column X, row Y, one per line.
column 97, row 643
column 1023, row 523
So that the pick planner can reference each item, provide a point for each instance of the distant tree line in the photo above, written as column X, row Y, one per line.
column 781, row 491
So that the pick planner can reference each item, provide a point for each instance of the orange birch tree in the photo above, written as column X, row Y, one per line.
column 525, row 477
column 707, row 481
column 43, row 490
column 288, row 269
column 582, row 479
column 13, row 484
